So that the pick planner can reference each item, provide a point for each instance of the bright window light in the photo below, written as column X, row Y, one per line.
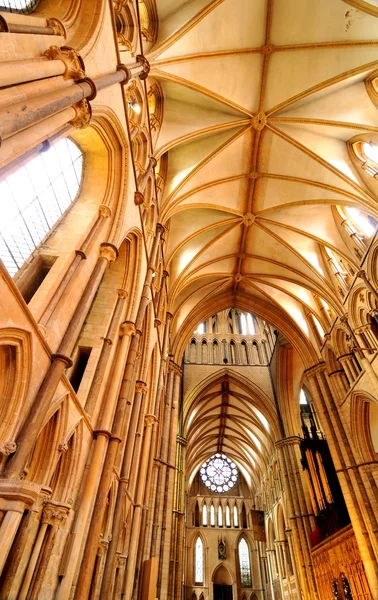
column 361, row 221
column 371, row 152
column 250, row 324
column 243, row 324
column 23, row 6
column 200, row 329
column 302, row 398
column 34, row 198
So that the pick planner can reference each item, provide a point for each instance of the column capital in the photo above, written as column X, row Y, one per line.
column 145, row 66
column 175, row 367
column 292, row 440
column 127, row 328
column 149, row 420
column 104, row 211
column 83, row 114
column 141, row 387
column 181, row 440
column 315, row 369
column 361, row 274
column 122, row 293
column 57, row 26
column 62, row 358
column 74, row 64
column 55, row 514
column 138, row 198
column 108, row 251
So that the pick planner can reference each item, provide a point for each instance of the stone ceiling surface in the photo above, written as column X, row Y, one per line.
column 260, row 100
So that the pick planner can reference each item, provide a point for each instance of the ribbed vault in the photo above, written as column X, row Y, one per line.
column 260, row 100
column 230, row 414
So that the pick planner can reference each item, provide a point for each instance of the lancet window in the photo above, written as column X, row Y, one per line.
column 220, row 516
column 198, row 562
column 35, row 197
column 228, row 516
column 367, row 154
column 212, row 515
column 236, row 516
column 204, row 515
column 244, row 564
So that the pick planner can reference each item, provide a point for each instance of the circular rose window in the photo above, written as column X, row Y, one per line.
column 219, row 473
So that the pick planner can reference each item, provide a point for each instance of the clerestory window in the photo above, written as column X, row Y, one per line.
column 21, row 6
column 34, row 198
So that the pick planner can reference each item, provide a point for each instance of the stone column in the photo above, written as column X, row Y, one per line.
column 80, row 254
column 60, row 362
column 53, row 517
column 22, row 23
column 298, row 513
column 109, row 572
column 170, row 493
column 137, row 516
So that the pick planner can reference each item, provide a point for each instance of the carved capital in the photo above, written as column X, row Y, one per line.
column 141, row 387
column 104, row 211
column 108, row 251
column 63, row 447
column 54, row 514
column 142, row 60
column 83, row 114
column 149, row 420
column 57, row 26
column 292, row 440
column 122, row 293
column 127, row 328
column 138, row 198
column 8, row 448
column 74, row 65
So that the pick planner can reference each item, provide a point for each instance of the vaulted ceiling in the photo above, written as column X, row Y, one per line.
column 260, row 99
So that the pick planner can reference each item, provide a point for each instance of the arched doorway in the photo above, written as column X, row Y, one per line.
column 222, row 584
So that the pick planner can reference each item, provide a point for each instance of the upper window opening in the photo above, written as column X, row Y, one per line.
column 371, row 152
column 21, row 6
column 198, row 575
column 363, row 222
column 219, row 473
column 200, row 329
column 245, row 564
column 34, row 198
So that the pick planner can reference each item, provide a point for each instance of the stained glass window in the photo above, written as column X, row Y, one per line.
column 219, row 473
column 244, row 563
column 220, row 516
column 199, row 561
column 204, row 515
column 34, row 197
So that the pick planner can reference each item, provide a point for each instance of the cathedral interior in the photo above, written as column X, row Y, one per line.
column 188, row 300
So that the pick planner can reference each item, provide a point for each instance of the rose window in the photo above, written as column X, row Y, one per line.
column 219, row 473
